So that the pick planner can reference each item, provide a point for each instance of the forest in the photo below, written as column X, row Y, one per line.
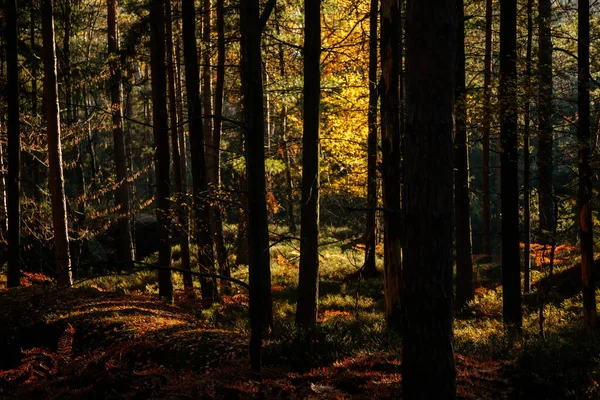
column 318, row 199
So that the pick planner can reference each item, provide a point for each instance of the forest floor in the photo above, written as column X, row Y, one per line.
column 112, row 338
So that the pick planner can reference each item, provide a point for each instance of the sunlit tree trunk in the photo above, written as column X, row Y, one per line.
column 464, row 261
column 125, row 242
column 308, row 284
column 390, row 150
column 56, row 179
column 13, row 185
column 586, row 227
column 511, row 275
column 201, row 209
column 546, row 135
column 160, row 121
column 427, row 316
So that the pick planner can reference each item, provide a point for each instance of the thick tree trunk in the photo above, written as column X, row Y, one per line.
column 260, row 302
column 160, row 121
column 486, row 247
column 390, row 138
column 526, row 156
column 14, row 147
column 125, row 247
column 427, row 316
column 464, row 261
column 308, row 284
column 511, row 276
column 184, row 241
column 546, row 135
column 201, row 208
column 56, row 179
column 584, row 195
column 369, row 267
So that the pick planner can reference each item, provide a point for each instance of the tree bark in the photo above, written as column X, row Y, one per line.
column 260, row 302
column 201, row 208
column 125, row 246
column 390, row 138
column 585, row 172
column 13, row 185
column 511, row 276
column 486, row 247
column 464, row 261
column 56, row 178
column 526, row 156
column 546, row 135
column 308, row 284
column 160, row 121
column 369, row 267
column 184, row 241
column 427, row 316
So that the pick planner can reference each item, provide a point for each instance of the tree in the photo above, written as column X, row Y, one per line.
column 427, row 315
column 369, row 267
column 511, row 276
column 125, row 242
column 13, row 186
column 201, row 210
column 55, row 175
column 586, row 227
column 546, row 134
column 260, row 301
column 464, row 262
column 526, row 156
column 308, row 285
column 160, row 121
column 390, row 150
column 485, row 140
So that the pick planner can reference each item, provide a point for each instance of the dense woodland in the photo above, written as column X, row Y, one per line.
column 317, row 199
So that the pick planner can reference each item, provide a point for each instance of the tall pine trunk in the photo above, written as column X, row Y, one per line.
column 427, row 316
column 56, row 179
column 486, row 247
column 526, row 156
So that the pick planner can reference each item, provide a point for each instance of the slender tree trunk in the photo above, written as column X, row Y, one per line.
column 546, row 135
column 241, row 257
column 390, row 138
column 160, row 121
column 125, row 247
column 427, row 355
column 260, row 302
column 201, row 208
column 486, row 247
column 369, row 267
column 217, row 218
column 511, row 276
column 526, row 156
column 184, row 241
column 585, row 172
column 56, row 179
column 14, row 147
column 464, row 261
column 308, row 284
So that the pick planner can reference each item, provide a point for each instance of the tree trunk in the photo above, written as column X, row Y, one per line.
column 125, row 247
column 13, row 185
column 369, row 267
column 390, row 138
column 308, row 284
column 526, row 156
column 260, row 302
column 241, row 257
column 511, row 275
column 464, row 261
column 56, row 179
column 160, row 121
column 427, row 316
column 546, row 138
column 486, row 247
column 585, row 172
column 184, row 241
column 201, row 208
